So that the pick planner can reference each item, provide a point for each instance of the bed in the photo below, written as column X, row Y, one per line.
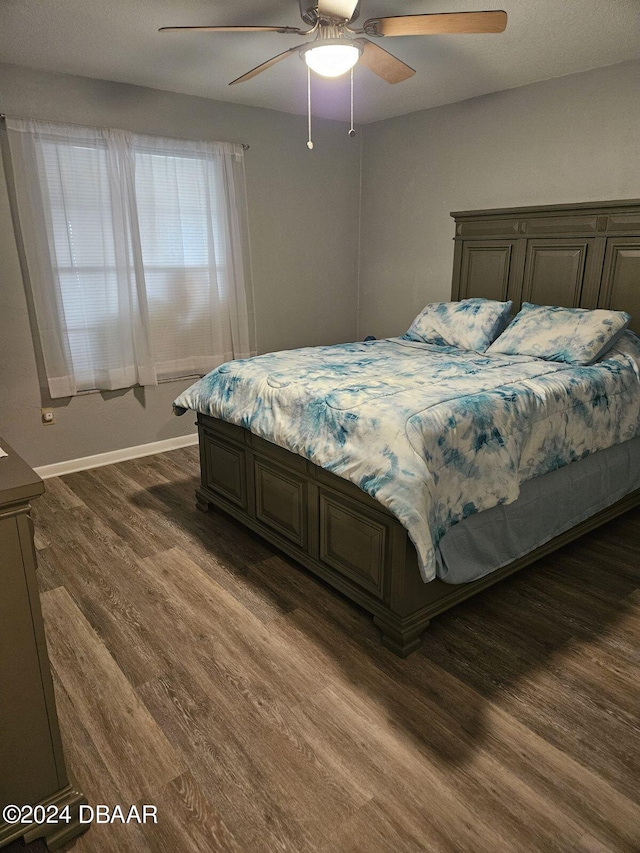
column 379, row 551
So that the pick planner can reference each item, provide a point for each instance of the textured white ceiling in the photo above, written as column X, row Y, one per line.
column 118, row 40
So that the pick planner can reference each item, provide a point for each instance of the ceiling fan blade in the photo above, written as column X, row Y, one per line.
column 383, row 63
column 230, row 30
column 263, row 67
column 342, row 9
column 436, row 24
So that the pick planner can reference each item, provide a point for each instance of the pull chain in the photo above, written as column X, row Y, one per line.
column 352, row 130
column 309, row 143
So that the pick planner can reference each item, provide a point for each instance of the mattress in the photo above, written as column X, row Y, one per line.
column 548, row 506
column 435, row 434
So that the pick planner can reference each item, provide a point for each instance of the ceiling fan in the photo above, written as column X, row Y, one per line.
column 337, row 46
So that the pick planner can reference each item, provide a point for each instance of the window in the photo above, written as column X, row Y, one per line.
column 136, row 251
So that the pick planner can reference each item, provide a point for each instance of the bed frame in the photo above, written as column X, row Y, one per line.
column 585, row 255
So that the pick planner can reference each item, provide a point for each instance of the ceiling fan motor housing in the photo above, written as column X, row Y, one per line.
column 309, row 11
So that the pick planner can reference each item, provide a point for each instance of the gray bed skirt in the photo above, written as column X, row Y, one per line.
column 547, row 506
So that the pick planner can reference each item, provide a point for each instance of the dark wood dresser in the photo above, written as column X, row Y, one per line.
column 32, row 768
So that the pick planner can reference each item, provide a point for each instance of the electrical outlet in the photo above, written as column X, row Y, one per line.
column 47, row 416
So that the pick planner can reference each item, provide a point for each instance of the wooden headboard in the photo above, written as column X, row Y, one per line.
column 577, row 255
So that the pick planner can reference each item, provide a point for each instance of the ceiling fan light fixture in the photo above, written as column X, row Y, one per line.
column 332, row 58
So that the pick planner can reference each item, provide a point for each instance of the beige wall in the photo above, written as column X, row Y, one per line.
column 570, row 139
column 303, row 215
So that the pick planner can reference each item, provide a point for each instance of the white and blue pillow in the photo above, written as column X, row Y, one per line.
column 570, row 335
column 471, row 324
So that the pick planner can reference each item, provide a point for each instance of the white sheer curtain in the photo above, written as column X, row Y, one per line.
column 191, row 215
column 135, row 251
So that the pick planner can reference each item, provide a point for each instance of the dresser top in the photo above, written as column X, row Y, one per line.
column 18, row 482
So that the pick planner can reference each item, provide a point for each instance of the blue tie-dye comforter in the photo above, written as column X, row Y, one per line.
column 433, row 433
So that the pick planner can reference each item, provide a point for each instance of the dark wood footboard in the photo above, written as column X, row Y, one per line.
column 338, row 532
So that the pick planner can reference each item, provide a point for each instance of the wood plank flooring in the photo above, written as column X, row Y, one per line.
column 199, row 670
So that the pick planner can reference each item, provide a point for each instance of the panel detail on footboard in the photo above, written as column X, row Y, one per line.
column 225, row 471
column 281, row 501
column 352, row 543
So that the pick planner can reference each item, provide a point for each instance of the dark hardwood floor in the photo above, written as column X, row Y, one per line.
column 198, row 670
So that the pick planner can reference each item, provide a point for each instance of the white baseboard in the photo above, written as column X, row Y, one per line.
column 86, row 462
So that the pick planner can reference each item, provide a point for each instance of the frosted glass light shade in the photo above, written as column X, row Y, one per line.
column 332, row 60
